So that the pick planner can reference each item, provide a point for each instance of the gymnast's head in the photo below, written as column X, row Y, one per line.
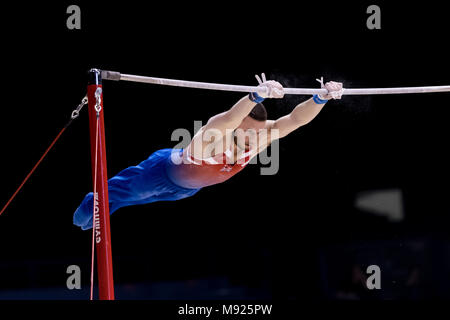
column 245, row 135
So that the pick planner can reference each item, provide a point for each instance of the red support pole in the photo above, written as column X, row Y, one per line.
column 101, row 204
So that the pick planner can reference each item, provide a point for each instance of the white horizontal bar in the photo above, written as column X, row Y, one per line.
column 298, row 91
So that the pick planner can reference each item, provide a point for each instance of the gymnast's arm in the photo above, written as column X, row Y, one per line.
column 304, row 112
column 217, row 126
column 208, row 136
column 301, row 115
column 232, row 118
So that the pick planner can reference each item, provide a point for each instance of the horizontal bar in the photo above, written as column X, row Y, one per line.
column 112, row 75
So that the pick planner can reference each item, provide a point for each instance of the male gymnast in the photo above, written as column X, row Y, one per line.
column 219, row 150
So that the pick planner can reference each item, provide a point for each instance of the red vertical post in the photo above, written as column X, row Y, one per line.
column 101, row 204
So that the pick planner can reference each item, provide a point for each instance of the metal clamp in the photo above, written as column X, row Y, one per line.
column 76, row 112
column 98, row 100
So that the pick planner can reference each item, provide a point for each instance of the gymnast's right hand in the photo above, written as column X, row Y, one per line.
column 273, row 89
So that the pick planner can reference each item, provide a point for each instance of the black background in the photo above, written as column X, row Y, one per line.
column 266, row 235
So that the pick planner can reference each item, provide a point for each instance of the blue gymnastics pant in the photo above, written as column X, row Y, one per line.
column 145, row 183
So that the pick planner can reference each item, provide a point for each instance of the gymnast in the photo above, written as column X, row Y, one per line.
column 239, row 134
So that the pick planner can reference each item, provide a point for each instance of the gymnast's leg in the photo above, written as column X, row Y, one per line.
column 145, row 183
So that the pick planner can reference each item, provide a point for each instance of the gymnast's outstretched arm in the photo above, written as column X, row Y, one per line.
column 218, row 125
column 306, row 111
column 233, row 117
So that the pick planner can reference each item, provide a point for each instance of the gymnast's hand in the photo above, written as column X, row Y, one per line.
column 273, row 89
column 335, row 89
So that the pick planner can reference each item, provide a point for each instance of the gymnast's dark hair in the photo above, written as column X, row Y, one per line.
column 258, row 113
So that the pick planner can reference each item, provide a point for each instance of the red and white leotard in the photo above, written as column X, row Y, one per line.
column 195, row 173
